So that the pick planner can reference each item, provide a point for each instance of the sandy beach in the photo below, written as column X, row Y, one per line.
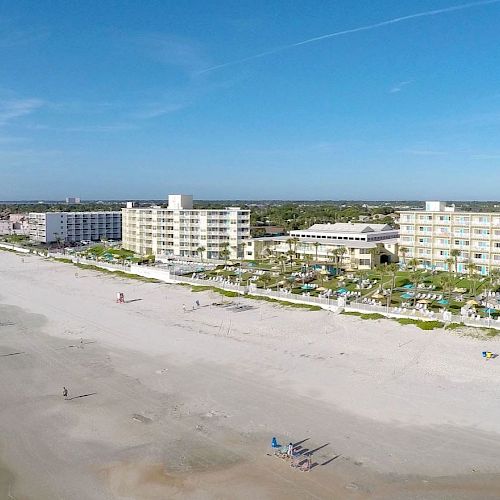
column 170, row 404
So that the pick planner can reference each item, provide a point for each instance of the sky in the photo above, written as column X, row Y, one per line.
column 271, row 99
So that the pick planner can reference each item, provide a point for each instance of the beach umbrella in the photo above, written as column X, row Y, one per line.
column 377, row 296
column 490, row 310
column 473, row 302
column 443, row 302
column 407, row 296
column 321, row 289
column 408, row 285
column 424, row 301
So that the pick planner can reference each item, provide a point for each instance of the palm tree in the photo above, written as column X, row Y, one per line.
column 455, row 254
column 374, row 253
column 290, row 242
column 58, row 240
column 413, row 263
column 282, row 260
column 403, row 251
column 447, row 283
column 382, row 269
column 392, row 269
column 495, row 277
column 267, row 253
column 472, row 270
column 316, row 246
column 200, row 251
column 266, row 279
column 333, row 253
column 450, row 262
column 291, row 254
column 341, row 251
column 224, row 253
column 416, row 278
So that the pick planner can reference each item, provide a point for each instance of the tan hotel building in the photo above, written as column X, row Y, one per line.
column 180, row 230
column 431, row 234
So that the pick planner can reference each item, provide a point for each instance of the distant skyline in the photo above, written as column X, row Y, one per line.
column 367, row 100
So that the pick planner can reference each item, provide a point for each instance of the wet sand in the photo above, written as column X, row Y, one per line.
column 167, row 404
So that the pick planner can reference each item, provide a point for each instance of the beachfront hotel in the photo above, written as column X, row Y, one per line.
column 183, row 231
column 364, row 245
column 430, row 235
column 48, row 227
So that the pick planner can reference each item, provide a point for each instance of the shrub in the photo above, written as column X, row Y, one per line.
column 454, row 326
column 423, row 325
column 364, row 315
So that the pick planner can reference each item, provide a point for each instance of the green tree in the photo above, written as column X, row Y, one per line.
column 447, row 283
column 282, row 260
column 374, row 254
column 341, row 251
column 316, row 246
column 403, row 251
column 291, row 254
column 224, row 253
column 472, row 270
column 200, row 251
column 266, row 279
column 450, row 262
column 382, row 271
column 455, row 254
column 414, row 263
column 392, row 269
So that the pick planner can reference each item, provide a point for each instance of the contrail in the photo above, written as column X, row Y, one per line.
column 428, row 13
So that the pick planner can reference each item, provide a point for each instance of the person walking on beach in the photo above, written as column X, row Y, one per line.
column 197, row 303
column 184, row 307
column 65, row 393
column 290, row 450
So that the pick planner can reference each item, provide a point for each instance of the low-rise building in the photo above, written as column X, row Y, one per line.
column 181, row 230
column 440, row 236
column 48, row 227
column 355, row 245
column 6, row 227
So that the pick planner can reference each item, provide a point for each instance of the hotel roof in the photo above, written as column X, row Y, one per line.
column 348, row 227
column 335, row 243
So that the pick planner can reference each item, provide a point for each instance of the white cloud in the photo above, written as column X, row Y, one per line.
column 399, row 86
column 11, row 109
column 173, row 50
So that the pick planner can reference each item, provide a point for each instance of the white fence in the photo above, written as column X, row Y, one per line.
column 16, row 248
column 163, row 274
column 393, row 312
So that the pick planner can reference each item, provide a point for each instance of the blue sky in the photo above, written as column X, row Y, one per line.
column 136, row 99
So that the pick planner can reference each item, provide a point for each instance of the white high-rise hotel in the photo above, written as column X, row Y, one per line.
column 47, row 227
column 181, row 230
column 431, row 234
